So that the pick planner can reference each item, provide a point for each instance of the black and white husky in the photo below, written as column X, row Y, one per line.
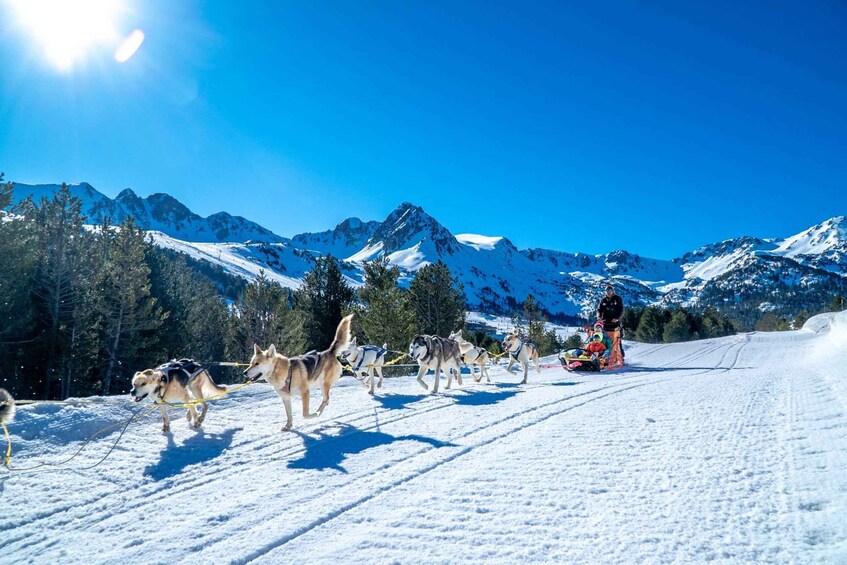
column 436, row 353
column 7, row 406
column 364, row 359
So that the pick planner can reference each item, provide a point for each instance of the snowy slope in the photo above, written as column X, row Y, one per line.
column 730, row 450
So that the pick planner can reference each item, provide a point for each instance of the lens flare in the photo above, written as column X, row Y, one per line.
column 129, row 46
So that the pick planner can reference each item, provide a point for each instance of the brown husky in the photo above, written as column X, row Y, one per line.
column 172, row 382
column 301, row 373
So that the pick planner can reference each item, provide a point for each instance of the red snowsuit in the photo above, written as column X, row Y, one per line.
column 596, row 347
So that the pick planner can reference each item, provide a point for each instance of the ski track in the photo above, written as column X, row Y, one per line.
column 714, row 457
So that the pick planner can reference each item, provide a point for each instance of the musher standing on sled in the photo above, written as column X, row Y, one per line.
column 610, row 311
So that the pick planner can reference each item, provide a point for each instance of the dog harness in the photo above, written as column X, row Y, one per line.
column 172, row 368
column 183, row 370
column 365, row 348
column 515, row 354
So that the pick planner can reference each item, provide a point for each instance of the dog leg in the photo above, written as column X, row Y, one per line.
column 379, row 370
column 286, row 402
column 204, row 409
column 166, row 423
column 459, row 373
column 438, row 377
column 327, row 384
column 509, row 365
column 196, row 389
column 192, row 413
column 371, row 380
column 304, row 397
column 525, row 371
column 421, row 373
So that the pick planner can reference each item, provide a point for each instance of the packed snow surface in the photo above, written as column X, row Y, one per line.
column 731, row 449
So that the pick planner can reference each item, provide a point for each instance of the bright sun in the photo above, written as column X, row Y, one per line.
column 68, row 31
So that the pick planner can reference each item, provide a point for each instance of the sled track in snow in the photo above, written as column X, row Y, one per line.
column 191, row 483
column 596, row 394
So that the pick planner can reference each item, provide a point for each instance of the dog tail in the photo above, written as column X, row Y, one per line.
column 342, row 337
column 7, row 407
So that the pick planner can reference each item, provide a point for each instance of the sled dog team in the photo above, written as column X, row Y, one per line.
column 174, row 381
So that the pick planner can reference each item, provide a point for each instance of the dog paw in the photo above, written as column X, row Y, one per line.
column 166, row 429
column 285, row 428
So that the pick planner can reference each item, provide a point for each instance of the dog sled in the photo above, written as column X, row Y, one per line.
column 578, row 359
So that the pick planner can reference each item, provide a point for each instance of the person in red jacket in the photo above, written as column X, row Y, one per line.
column 596, row 345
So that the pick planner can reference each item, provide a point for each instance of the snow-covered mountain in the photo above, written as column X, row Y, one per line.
column 743, row 274
column 158, row 212
column 347, row 238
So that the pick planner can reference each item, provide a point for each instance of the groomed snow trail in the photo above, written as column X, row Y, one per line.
column 732, row 449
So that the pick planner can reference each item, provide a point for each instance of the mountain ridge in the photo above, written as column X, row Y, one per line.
column 498, row 276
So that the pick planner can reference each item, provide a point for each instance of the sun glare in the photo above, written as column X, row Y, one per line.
column 69, row 31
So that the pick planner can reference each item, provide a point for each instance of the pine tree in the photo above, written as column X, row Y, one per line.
column 438, row 300
column 324, row 297
column 264, row 315
column 679, row 327
column 384, row 314
column 547, row 341
column 18, row 330
column 59, row 278
column 651, row 325
column 631, row 317
column 130, row 316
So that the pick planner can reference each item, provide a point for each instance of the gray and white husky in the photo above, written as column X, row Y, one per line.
column 472, row 355
column 7, row 406
column 436, row 353
column 364, row 359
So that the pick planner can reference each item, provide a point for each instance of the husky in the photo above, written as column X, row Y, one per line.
column 172, row 382
column 472, row 355
column 7, row 407
column 520, row 352
column 436, row 353
column 301, row 373
column 363, row 359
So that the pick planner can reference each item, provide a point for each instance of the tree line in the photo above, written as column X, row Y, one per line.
column 82, row 308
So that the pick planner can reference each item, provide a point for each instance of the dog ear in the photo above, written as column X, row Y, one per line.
column 355, row 341
column 271, row 351
column 257, row 350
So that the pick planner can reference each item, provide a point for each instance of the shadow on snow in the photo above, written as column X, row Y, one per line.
column 322, row 452
column 199, row 448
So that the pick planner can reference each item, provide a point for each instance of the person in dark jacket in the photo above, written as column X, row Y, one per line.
column 610, row 311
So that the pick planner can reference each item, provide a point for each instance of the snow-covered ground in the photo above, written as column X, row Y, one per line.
column 733, row 449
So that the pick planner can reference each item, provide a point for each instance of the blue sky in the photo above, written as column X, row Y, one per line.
column 654, row 127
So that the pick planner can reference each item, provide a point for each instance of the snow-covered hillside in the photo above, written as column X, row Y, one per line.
column 729, row 450
column 808, row 267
